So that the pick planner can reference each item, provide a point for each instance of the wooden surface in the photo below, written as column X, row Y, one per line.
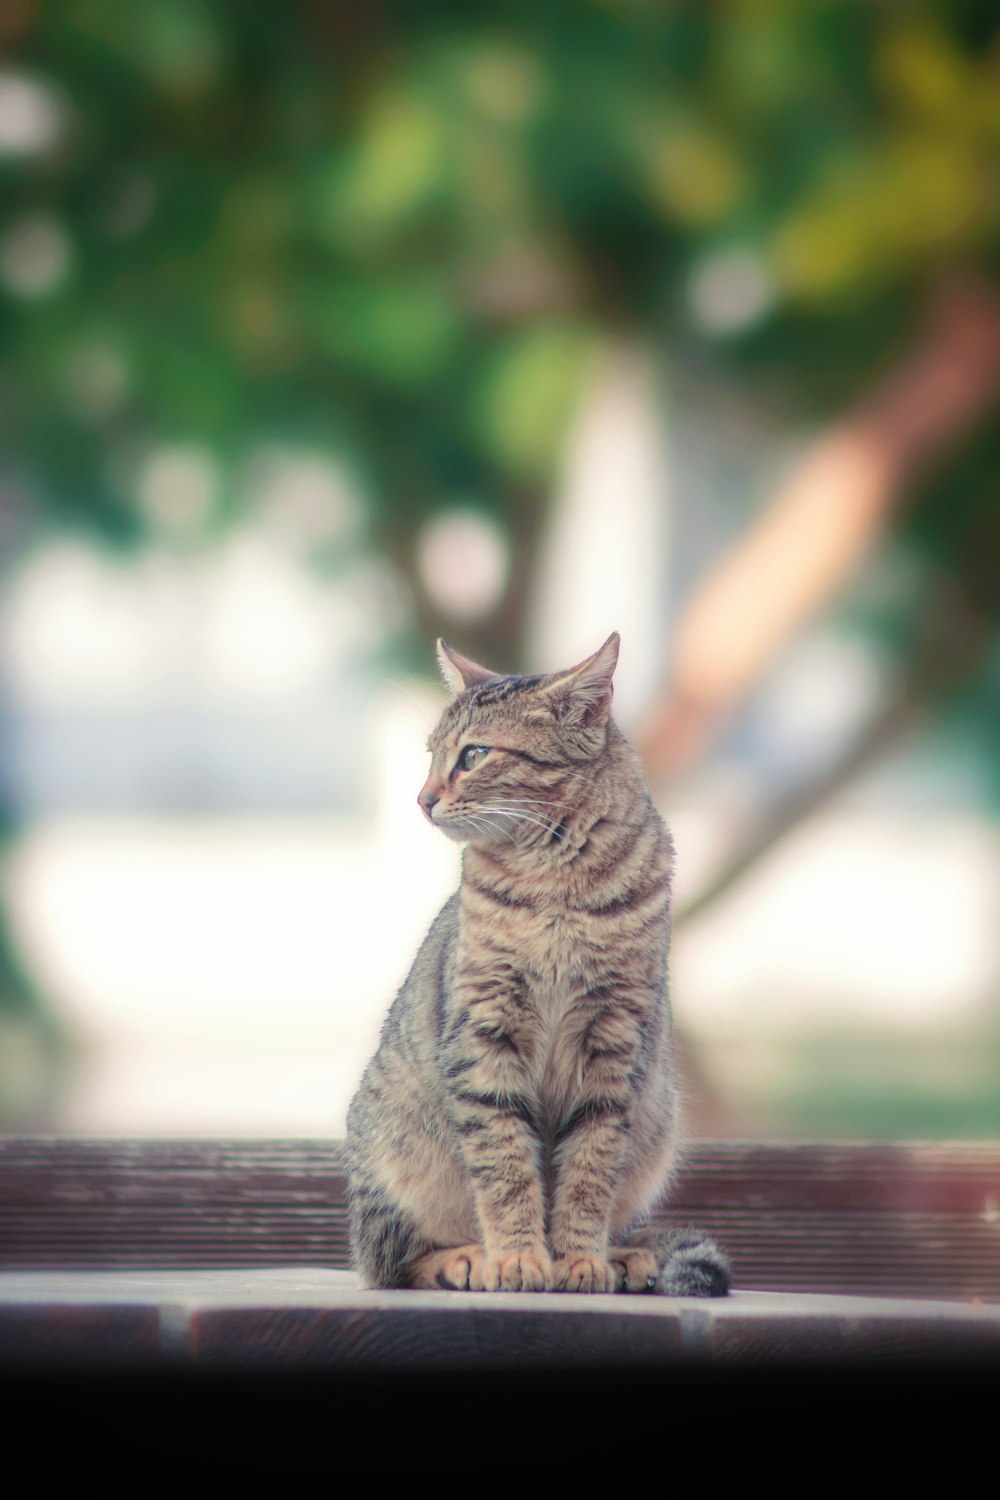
column 268, row 1320
column 897, row 1220
column 293, row 1380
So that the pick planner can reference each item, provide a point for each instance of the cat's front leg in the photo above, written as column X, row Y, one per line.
column 581, row 1210
column 590, row 1150
column 495, row 1120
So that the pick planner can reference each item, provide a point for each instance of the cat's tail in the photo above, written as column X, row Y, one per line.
column 689, row 1262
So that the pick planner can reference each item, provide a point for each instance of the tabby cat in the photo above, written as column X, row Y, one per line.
column 520, row 1116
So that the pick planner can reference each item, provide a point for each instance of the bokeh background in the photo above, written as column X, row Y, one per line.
column 328, row 328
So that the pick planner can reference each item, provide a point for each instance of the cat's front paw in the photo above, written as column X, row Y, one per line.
column 524, row 1271
column 467, row 1268
column 585, row 1273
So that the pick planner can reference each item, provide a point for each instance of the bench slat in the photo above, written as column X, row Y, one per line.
column 899, row 1219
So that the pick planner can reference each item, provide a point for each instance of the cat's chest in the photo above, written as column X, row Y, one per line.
column 538, row 976
column 552, row 948
column 555, row 944
column 541, row 969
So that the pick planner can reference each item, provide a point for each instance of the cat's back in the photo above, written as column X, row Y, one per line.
column 402, row 1075
column 411, row 1025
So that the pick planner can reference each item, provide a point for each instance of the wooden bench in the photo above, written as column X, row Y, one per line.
column 861, row 1219
column 179, row 1309
column 236, row 1252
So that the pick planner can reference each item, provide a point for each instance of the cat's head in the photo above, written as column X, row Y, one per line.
column 508, row 751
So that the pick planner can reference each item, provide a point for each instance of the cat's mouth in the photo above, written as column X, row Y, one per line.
column 454, row 826
column 462, row 828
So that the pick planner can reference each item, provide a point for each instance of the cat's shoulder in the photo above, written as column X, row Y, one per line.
column 440, row 936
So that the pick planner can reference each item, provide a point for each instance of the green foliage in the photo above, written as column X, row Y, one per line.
column 936, row 1088
column 529, row 392
column 321, row 214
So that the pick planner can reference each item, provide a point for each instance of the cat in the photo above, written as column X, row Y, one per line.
column 520, row 1116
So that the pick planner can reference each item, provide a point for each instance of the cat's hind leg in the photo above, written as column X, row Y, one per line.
column 672, row 1263
column 635, row 1267
column 384, row 1239
column 458, row 1269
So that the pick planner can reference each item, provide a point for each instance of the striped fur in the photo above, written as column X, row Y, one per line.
column 520, row 1117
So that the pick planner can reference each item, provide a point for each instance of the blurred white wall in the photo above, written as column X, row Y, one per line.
column 605, row 556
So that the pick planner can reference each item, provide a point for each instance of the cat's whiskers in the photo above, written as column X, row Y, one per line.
column 485, row 826
column 520, row 799
column 507, row 806
column 524, row 807
column 525, row 804
column 520, row 816
column 499, row 828
column 533, row 802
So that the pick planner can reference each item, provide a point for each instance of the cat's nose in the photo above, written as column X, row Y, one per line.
column 427, row 800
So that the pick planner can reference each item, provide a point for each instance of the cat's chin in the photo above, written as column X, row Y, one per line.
column 463, row 833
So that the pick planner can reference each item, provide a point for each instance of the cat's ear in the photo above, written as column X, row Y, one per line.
column 582, row 695
column 458, row 671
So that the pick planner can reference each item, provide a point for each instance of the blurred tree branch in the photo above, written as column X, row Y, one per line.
column 802, row 550
column 955, row 637
column 829, row 515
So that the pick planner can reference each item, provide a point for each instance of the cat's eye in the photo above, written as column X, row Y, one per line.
column 471, row 756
